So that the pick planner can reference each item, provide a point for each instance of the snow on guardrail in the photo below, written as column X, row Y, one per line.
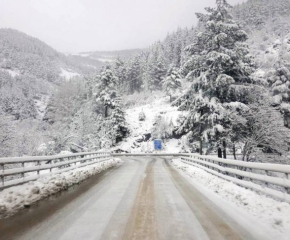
column 241, row 171
column 25, row 169
column 31, row 168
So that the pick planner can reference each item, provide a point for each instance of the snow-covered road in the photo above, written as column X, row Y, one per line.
column 144, row 198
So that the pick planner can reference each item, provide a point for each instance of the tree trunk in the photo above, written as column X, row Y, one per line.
column 234, row 152
column 170, row 98
column 106, row 111
column 200, row 146
column 200, row 136
column 224, row 149
column 244, row 151
column 220, row 152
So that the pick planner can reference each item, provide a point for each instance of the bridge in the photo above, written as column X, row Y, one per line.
column 145, row 197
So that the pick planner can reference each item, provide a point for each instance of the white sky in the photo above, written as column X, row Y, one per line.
column 88, row 25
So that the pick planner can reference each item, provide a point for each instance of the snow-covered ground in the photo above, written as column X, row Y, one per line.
column 274, row 214
column 15, row 198
column 160, row 106
column 68, row 75
column 13, row 73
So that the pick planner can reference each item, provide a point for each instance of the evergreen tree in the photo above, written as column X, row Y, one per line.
column 106, row 89
column 279, row 79
column 172, row 82
column 280, row 82
column 159, row 71
column 134, row 75
column 178, row 48
column 7, row 135
column 120, row 73
column 218, row 61
column 118, row 122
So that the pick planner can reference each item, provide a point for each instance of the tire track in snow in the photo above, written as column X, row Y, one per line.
column 142, row 221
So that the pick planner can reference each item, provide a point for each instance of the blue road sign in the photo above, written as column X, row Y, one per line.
column 157, row 144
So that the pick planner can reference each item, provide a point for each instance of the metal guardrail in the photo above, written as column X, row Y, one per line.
column 241, row 172
column 20, row 166
column 236, row 171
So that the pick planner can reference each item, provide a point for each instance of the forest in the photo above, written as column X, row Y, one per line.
column 230, row 74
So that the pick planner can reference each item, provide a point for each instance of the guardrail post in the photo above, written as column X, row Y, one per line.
column 266, row 175
column 50, row 169
column 287, row 177
column 38, row 163
column 2, row 177
column 23, row 166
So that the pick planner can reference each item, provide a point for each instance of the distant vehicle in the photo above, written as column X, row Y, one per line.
column 158, row 144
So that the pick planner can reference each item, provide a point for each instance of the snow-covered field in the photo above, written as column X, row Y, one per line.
column 273, row 214
column 160, row 106
column 15, row 198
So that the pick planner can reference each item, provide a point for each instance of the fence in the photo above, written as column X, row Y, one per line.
column 18, row 168
column 246, row 174
column 241, row 173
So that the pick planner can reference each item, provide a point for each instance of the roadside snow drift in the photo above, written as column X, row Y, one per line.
column 15, row 198
column 274, row 214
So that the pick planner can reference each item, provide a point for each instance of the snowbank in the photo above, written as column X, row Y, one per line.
column 267, row 211
column 15, row 198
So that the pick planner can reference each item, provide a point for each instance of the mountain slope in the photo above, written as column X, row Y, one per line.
column 21, row 54
column 110, row 56
column 29, row 71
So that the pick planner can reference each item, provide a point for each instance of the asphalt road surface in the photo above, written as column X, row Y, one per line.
column 144, row 198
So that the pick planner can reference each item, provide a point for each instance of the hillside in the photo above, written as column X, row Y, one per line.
column 157, row 111
column 266, row 30
column 21, row 54
column 111, row 56
column 88, row 64
column 30, row 72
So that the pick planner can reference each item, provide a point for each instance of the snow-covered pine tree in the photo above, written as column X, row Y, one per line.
column 169, row 47
column 147, row 79
column 156, row 66
column 120, row 73
column 134, row 75
column 7, row 135
column 178, row 47
column 172, row 83
column 118, row 122
column 279, row 79
column 280, row 82
column 105, row 90
column 218, row 61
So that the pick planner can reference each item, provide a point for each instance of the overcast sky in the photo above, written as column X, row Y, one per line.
column 87, row 25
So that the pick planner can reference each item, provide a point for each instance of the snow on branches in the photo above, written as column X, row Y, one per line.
column 218, row 59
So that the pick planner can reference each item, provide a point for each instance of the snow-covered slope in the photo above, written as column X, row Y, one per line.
column 68, row 74
column 140, row 137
